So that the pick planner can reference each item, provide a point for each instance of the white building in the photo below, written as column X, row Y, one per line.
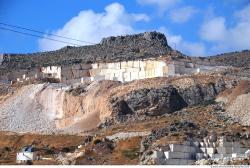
column 23, row 157
column 27, row 154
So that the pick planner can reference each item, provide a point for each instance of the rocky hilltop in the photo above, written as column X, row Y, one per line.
column 121, row 48
column 111, row 49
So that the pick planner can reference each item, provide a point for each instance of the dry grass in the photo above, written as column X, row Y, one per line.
column 15, row 142
column 127, row 152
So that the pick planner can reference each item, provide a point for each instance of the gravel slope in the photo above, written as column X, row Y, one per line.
column 23, row 113
column 240, row 109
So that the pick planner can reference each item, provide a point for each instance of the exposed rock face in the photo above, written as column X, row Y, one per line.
column 76, row 109
column 197, row 93
column 49, row 108
column 150, row 37
column 151, row 102
column 111, row 49
column 165, row 99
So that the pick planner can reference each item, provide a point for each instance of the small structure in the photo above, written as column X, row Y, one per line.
column 26, row 154
column 51, row 72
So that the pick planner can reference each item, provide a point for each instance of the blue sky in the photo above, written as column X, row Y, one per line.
column 194, row 27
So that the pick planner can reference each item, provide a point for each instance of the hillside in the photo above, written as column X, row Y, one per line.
column 237, row 59
column 73, row 109
column 199, row 114
column 148, row 45
column 111, row 49
column 127, row 138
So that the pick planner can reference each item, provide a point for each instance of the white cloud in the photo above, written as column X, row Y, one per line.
column 227, row 38
column 183, row 14
column 92, row 27
column 244, row 14
column 193, row 48
column 186, row 47
column 162, row 5
column 214, row 29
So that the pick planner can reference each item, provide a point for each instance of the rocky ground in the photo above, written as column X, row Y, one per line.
column 134, row 118
column 128, row 142
column 75, row 109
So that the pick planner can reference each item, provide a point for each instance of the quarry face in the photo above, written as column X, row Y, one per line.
column 132, row 99
column 59, row 108
column 46, row 109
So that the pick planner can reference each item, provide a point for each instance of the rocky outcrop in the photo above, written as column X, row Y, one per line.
column 165, row 99
column 151, row 102
column 111, row 49
column 198, row 93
